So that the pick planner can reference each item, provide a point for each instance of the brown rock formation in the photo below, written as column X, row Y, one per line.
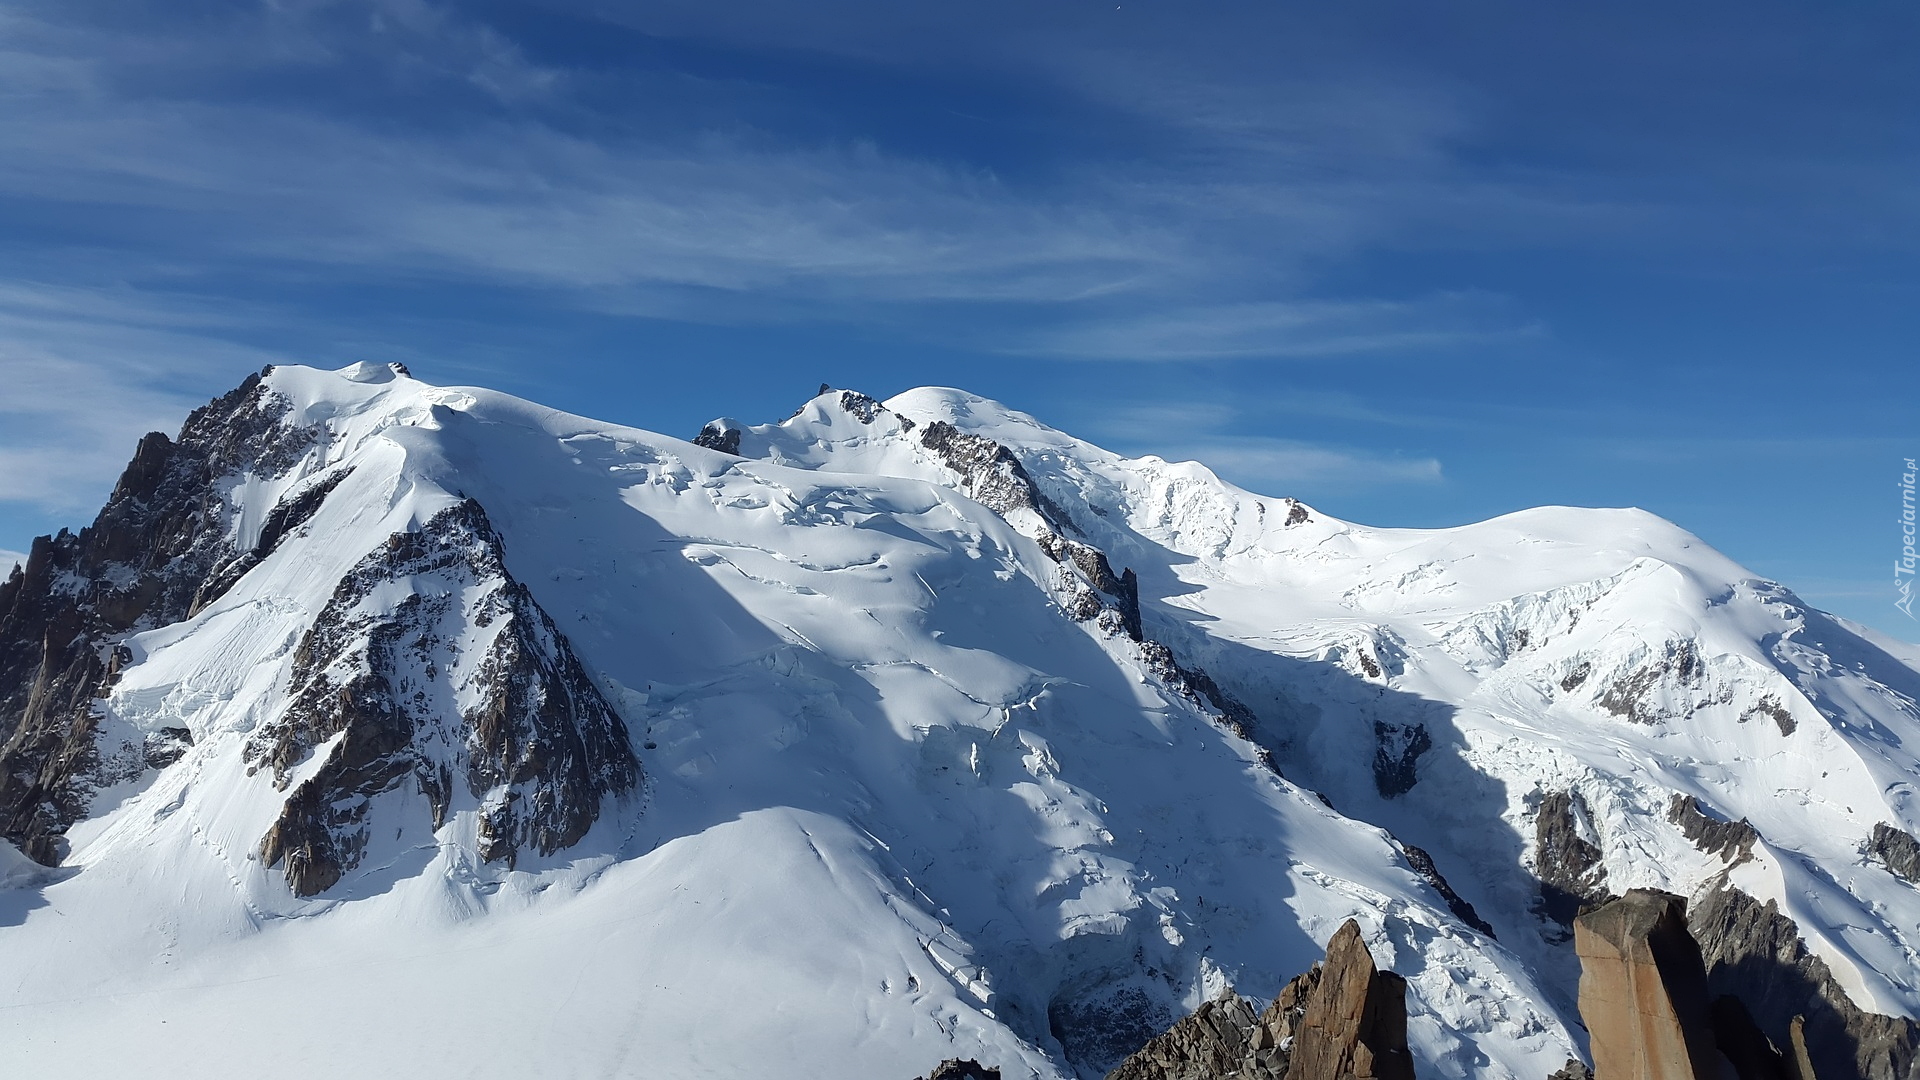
column 1643, row 991
column 1343, row 1020
column 1654, row 1014
column 1356, row 1022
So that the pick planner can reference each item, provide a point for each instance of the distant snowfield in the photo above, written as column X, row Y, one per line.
column 900, row 807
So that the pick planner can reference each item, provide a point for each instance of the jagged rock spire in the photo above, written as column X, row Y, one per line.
column 1342, row 1020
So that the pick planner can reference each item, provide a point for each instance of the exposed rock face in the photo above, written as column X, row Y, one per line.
column 1343, row 1020
column 463, row 679
column 1897, row 850
column 1643, row 991
column 1743, row 1044
column 992, row 475
column 1769, row 707
column 149, row 559
column 1731, row 840
column 1356, row 1021
column 1569, row 866
column 1755, row 953
column 1645, row 988
column 1423, row 865
column 959, row 1069
column 1574, row 1069
column 721, row 435
column 1637, row 696
column 1215, row 1041
column 1397, row 749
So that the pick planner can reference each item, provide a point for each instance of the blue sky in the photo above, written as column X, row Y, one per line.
column 1418, row 264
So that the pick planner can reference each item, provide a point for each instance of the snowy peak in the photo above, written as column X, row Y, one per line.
column 915, row 728
column 428, row 667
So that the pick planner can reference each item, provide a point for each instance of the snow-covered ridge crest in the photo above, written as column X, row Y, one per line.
column 928, row 702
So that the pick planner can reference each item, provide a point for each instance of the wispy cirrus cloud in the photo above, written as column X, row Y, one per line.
column 84, row 372
column 1225, row 438
column 1290, row 329
column 518, row 197
column 523, row 178
column 1285, row 466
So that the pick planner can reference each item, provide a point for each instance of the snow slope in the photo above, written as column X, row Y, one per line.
column 1605, row 652
column 903, row 803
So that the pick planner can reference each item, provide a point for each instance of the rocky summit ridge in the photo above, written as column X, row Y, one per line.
column 917, row 730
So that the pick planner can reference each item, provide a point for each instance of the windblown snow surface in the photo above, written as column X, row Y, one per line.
column 900, row 806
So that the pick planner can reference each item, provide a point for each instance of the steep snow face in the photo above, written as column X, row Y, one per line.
column 912, row 788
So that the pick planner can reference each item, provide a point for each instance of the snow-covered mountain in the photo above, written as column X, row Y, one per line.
column 382, row 728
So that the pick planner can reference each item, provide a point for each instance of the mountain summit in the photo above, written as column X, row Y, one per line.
column 374, row 725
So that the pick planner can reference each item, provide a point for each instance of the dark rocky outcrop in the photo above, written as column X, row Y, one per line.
column 1574, row 1069
column 1897, row 850
column 1743, row 1044
column 1423, row 865
column 863, row 408
column 148, row 559
column 722, row 435
column 377, row 684
column 961, row 1069
column 1572, row 875
column 1755, row 953
column 1396, row 751
column 1731, row 840
column 1633, row 696
column 1769, row 707
column 993, row 476
column 1342, row 1020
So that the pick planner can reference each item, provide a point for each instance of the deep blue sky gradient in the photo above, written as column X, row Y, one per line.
column 1416, row 264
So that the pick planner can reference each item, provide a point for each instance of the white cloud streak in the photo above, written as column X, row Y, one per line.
column 1293, row 172
column 83, row 373
column 1286, row 466
column 1290, row 329
column 1204, row 431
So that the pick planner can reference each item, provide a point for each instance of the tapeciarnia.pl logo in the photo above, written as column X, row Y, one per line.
column 1903, row 566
